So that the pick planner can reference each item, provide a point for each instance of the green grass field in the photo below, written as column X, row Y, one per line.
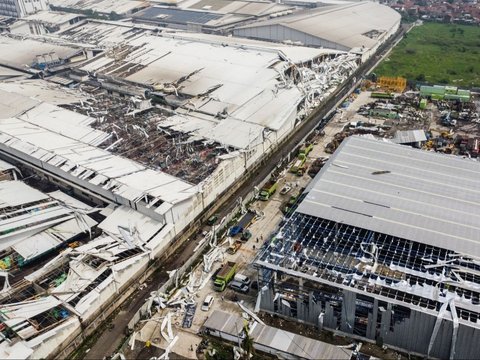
column 438, row 54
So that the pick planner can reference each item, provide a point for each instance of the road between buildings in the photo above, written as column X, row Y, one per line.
column 110, row 340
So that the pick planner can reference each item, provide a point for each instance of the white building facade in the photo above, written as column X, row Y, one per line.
column 21, row 8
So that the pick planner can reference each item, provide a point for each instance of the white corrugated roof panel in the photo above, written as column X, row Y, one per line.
column 276, row 340
column 12, row 104
column 26, row 50
column 128, row 218
column 236, row 133
column 346, row 25
column 400, row 191
column 159, row 184
column 15, row 193
column 409, row 136
column 17, row 312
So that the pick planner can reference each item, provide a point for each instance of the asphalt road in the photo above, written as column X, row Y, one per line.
column 109, row 341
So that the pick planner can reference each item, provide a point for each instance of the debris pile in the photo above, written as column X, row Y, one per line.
column 136, row 134
column 318, row 80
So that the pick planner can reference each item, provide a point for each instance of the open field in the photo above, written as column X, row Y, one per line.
column 438, row 54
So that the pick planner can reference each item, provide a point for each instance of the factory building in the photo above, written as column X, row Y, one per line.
column 221, row 117
column 383, row 247
column 177, row 135
column 357, row 27
column 61, row 262
column 103, row 7
column 21, row 8
column 211, row 16
column 44, row 22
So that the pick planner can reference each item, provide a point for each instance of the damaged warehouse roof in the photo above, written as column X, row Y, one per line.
column 227, row 85
column 181, row 122
column 385, row 246
column 71, row 144
column 34, row 223
column 210, row 15
column 29, row 51
column 271, row 340
column 402, row 192
column 44, row 305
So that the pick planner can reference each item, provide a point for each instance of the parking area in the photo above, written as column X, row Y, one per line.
column 269, row 214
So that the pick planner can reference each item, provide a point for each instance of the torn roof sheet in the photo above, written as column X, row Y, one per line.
column 70, row 201
column 80, row 275
column 16, row 313
column 16, row 193
column 9, row 73
column 42, row 90
column 6, row 166
column 53, row 237
column 270, row 108
column 12, row 104
column 52, row 17
column 132, row 221
column 233, row 132
column 65, row 122
column 22, row 52
column 103, row 34
column 159, row 184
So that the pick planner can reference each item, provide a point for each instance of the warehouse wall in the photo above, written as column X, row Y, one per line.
column 281, row 33
column 368, row 318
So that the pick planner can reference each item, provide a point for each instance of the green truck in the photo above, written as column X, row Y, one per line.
column 226, row 273
column 268, row 190
column 299, row 166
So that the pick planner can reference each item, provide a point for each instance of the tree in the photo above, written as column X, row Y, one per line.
column 420, row 77
column 247, row 343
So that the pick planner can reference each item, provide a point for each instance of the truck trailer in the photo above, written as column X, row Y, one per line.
column 268, row 190
column 298, row 167
column 224, row 276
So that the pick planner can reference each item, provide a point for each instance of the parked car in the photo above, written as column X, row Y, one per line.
column 212, row 220
column 207, row 303
column 235, row 230
column 286, row 189
column 245, row 280
column 238, row 286
column 246, row 235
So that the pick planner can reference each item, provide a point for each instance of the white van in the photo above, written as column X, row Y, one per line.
column 245, row 280
column 207, row 303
